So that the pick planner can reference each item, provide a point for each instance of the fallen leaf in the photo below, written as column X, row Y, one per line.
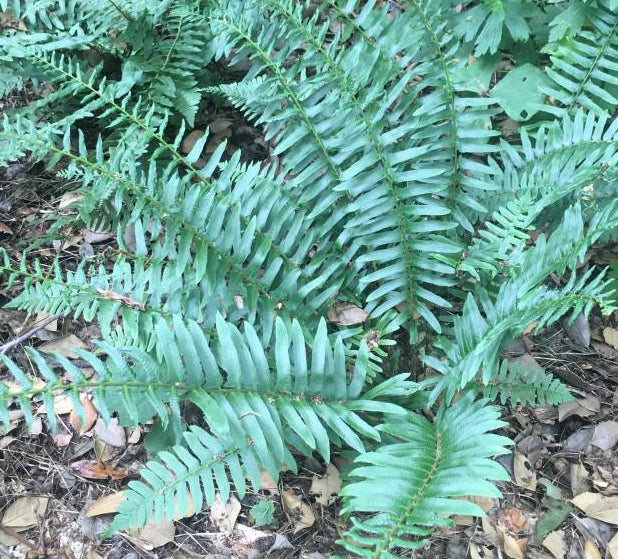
column 68, row 199
column 62, row 439
column 474, row 551
column 612, row 547
column 154, row 534
column 89, row 411
column 224, row 515
column 117, row 297
column 604, row 350
column 598, row 506
column 52, row 326
column 514, row 547
column 579, row 479
column 4, row 228
column 72, row 241
column 92, row 469
column 578, row 330
column 108, row 504
column 610, row 335
column 248, row 535
column 523, row 473
column 591, row 551
column 93, row 237
column 346, row 315
column 62, row 405
column 585, row 407
column 190, row 140
column 490, row 532
column 135, row 435
column 555, row 544
column 579, row 441
column 23, row 513
column 64, row 346
column 300, row 512
column 6, row 441
column 267, row 483
column 605, row 435
column 594, row 530
column 549, row 520
column 513, row 521
column 326, row 487
column 112, row 434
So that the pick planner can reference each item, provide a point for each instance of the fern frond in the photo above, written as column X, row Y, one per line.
column 523, row 299
column 520, row 381
column 185, row 477
column 484, row 24
column 583, row 68
column 413, row 485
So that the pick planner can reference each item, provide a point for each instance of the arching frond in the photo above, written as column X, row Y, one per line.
column 413, row 485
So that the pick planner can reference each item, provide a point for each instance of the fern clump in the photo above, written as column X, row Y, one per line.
column 392, row 185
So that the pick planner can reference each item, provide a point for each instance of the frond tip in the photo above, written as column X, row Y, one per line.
column 414, row 485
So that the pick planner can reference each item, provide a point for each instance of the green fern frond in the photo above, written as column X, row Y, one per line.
column 522, row 381
column 484, row 24
column 413, row 485
column 524, row 299
column 185, row 477
column 583, row 68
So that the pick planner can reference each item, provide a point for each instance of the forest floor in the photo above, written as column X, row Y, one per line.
column 56, row 492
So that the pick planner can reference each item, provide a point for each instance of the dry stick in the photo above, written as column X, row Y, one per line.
column 13, row 534
column 9, row 345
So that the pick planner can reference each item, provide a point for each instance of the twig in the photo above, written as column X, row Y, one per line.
column 11, row 344
column 15, row 535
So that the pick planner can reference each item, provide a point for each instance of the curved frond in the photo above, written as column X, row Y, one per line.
column 413, row 485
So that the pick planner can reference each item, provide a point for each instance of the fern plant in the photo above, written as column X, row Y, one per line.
column 392, row 185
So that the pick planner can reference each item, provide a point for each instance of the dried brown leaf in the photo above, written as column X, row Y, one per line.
column 267, row 483
column 555, row 544
column 190, row 140
column 346, row 315
column 524, row 475
column 612, row 547
column 24, row 512
column 610, row 335
column 605, row 435
column 585, row 407
column 514, row 547
column 579, row 479
column 598, row 506
column 153, row 535
column 117, row 297
column 108, row 504
column 68, row 199
column 300, row 512
column 64, row 346
column 327, row 487
column 112, row 434
column 591, row 551
column 224, row 515
column 90, row 412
